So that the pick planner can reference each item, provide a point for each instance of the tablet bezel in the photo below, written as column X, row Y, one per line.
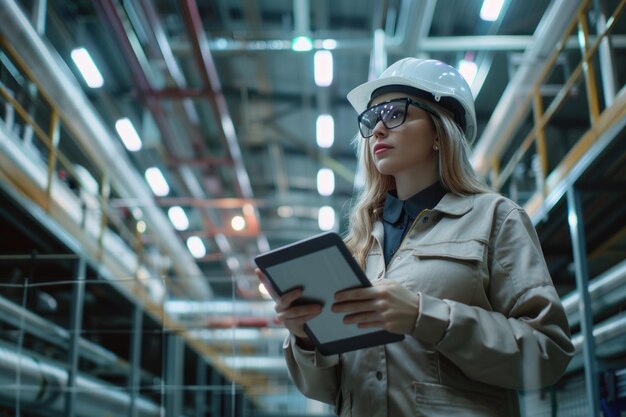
column 309, row 246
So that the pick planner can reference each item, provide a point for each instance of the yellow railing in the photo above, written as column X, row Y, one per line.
column 55, row 159
column 501, row 171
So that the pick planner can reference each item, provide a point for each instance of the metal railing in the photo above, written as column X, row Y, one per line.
column 500, row 171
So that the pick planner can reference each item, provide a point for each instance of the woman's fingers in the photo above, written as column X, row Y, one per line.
column 386, row 305
column 294, row 317
column 287, row 299
column 299, row 312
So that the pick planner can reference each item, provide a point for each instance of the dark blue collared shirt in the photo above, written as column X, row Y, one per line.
column 399, row 215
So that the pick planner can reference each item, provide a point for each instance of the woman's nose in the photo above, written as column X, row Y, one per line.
column 379, row 129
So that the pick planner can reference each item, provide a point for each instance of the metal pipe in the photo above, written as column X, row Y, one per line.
column 605, row 291
column 508, row 113
column 220, row 46
column 605, row 55
column 94, row 137
column 42, row 386
column 209, row 76
column 21, row 318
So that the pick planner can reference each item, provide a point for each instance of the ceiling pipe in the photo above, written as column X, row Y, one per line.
column 509, row 114
column 94, row 137
column 415, row 31
column 221, row 46
column 42, row 386
column 183, row 162
column 210, row 77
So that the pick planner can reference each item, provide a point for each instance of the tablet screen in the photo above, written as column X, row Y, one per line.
column 314, row 270
column 321, row 266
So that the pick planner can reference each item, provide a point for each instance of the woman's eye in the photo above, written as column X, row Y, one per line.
column 396, row 114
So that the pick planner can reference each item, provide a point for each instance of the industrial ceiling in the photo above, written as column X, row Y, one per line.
column 226, row 109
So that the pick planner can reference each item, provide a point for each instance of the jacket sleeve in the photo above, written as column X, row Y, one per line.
column 524, row 342
column 315, row 375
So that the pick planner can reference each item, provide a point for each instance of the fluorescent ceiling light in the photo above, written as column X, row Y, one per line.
column 196, row 247
column 491, row 9
column 468, row 70
column 301, row 44
column 325, row 130
column 325, row 181
column 326, row 218
column 323, row 68
column 87, row 68
column 178, row 217
column 233, row 263
column 157, row 182
column 128, row 134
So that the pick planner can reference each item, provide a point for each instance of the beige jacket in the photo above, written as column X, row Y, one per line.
column 490, row 321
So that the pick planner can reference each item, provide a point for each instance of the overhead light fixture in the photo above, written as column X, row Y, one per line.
column 325, row 181
column 285, row 211
column 233, row 263
column 329, row 44
column 491, row 9
column 196, row 247
column 87, row 68
column 157, row 182
column 128, row 134
column 301, row 44
column 325, row 130
column 178, row 217
column 238, row 223
column 141, row 226
column 323, row 68
column 468, row 70
column 326, row 218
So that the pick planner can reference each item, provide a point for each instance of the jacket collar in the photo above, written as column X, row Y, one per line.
column 451, row 204
column 427, row 198
column 455, row 205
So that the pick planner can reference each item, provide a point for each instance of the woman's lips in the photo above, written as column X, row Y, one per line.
column 380, row 148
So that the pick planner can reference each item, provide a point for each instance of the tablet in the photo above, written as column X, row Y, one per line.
column 321, row 266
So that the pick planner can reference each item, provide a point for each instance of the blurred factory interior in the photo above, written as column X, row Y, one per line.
column 150, row 149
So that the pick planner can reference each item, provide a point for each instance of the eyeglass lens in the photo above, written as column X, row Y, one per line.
column 392, row 114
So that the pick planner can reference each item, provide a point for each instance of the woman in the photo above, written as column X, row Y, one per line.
column 456, row 268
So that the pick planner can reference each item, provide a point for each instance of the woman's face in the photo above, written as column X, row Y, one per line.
column 405, row 151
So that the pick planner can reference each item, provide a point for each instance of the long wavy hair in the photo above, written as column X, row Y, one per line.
column 454, row 171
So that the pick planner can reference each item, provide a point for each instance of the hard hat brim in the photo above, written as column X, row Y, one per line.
column 360, row 96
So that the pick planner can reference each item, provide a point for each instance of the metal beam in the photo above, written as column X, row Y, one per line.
column 577, row 233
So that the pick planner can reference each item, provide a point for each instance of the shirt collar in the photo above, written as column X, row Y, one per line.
column 427, row 198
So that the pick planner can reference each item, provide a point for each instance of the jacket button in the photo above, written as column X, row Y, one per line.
column 379, row 375
column 425, row 220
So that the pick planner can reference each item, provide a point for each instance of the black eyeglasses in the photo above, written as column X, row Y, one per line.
column 392, row 113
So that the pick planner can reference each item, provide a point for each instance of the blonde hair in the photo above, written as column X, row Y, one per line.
column 454, row 171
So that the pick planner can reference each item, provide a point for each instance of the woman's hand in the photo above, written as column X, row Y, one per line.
column 387, row 305
column 294, row 317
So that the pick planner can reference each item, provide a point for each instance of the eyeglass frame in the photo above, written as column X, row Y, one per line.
column 408, row 101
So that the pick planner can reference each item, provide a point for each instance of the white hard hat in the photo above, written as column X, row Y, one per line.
column 436, row 81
